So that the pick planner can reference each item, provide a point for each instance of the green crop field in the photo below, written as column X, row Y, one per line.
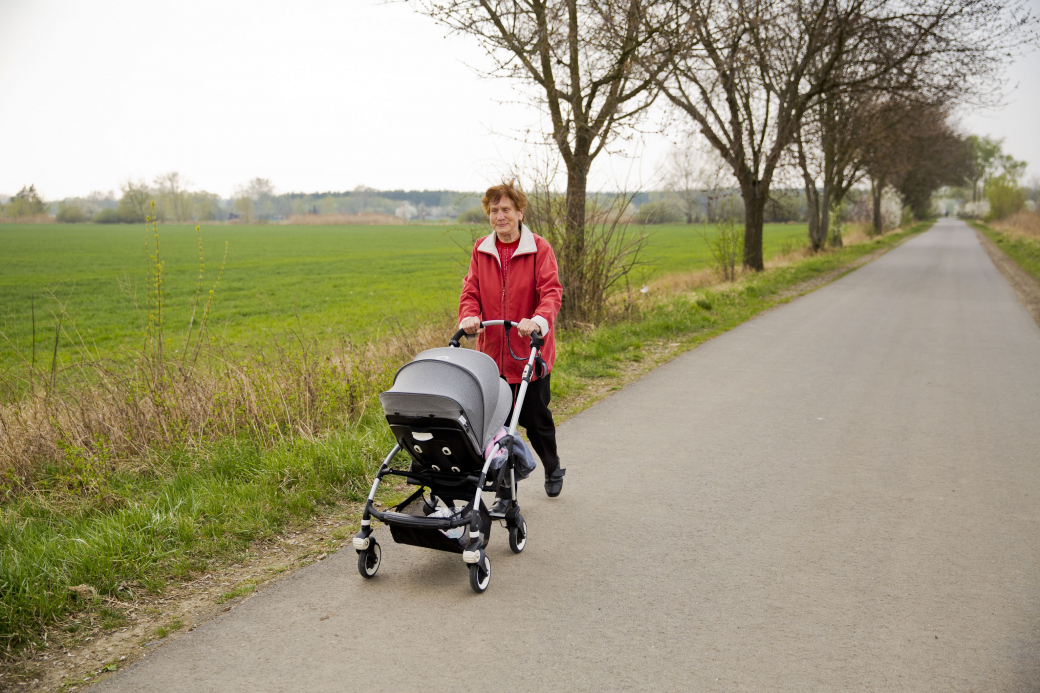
column 342, row 281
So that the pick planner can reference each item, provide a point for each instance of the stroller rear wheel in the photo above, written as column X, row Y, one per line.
column 368, row 560
column 518, row 534
column 480, row 575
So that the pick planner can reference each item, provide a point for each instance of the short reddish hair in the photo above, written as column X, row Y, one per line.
column 497, row 192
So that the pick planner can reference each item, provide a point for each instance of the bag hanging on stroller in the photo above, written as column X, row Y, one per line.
column 446, row 409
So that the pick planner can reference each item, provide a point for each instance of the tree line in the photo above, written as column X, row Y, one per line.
column 843, row 90
column 256, row 201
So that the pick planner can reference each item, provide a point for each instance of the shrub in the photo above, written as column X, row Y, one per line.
column 128, row 214
column 609, row 250
column 25, row 204
column 660, row 212
column 891, row 209
column 727, row 247
column 473, row 215
column 108, row 216
column 70, row 213
column 1004, row 197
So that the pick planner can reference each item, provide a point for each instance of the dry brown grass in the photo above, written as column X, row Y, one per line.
column 101, row 414
column 29, row 219
column 341, row 219
column 786, row 258
column 1023, row 223
column 687, row 281
column 856, row 234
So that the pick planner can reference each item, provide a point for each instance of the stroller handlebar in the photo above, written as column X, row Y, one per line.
column 537, row 340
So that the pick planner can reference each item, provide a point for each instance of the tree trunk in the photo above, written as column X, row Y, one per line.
column 825, row 215
column 812, row 202
column 572, row 254
column 812, row 211
column 829, row 167
column 876, row 187
column 755, row 196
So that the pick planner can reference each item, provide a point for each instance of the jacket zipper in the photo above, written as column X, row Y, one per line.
column 502, row 312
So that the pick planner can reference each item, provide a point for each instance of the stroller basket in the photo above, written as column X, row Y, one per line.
column 425, row 538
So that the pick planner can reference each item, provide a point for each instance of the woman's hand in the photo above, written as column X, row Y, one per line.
column 471, row 325
column 527, row 326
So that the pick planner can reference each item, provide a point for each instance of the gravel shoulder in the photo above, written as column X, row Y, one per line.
column 1026, row 287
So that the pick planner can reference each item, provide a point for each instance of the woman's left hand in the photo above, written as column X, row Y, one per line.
column 526, row 326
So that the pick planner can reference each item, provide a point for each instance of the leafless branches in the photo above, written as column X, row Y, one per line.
column 755, row 69
column 594, row 63
column 758, row 78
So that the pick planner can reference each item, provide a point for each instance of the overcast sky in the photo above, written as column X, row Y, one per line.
column 314, row 95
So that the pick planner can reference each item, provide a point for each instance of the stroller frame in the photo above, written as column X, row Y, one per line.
column 427, row 531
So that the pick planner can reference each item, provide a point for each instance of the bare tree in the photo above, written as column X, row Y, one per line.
column 915, row 149
column 933, row 155
column 612, row 249
column 865, row 119
column 133, row 206
column 831, row 143
column 363, row 194
column 593, row 63
column 885, row 151
column 253, row 200
column 173, row 202
column 754, row 68
column 684, row 179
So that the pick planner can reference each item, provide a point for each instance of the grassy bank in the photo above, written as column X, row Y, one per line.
column 117, row 524
column 1024, row 249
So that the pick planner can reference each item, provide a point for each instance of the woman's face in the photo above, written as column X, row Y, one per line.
column 505, row 217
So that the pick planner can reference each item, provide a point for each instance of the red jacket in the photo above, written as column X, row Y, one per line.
column 533, row 291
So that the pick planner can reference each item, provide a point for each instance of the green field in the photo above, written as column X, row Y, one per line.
column 342, row 281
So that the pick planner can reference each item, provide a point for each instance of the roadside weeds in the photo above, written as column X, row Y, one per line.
column 1021, row 253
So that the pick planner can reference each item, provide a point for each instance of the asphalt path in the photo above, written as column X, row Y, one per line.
column 841, row 494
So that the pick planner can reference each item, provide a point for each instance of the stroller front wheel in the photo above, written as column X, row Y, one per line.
column 480, row 575
column 518, row 534
column 368, row 560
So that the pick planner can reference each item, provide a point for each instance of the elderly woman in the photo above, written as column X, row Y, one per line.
column 513, row 276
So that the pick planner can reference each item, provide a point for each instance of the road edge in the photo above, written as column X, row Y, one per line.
column 1025, row 286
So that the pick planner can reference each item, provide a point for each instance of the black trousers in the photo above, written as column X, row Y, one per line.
column 537, row 421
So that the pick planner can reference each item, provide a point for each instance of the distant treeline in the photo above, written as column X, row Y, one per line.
column 256, row 202
column 169, row 199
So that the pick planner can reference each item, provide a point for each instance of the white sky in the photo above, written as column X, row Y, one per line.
column 314, row 95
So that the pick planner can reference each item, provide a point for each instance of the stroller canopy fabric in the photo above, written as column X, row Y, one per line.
column 448, row 382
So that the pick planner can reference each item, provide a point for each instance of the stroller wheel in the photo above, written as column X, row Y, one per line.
column 480, row 575
column 518, row 534
column 368, row 560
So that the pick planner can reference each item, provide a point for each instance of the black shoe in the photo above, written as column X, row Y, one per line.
column 554, row 483
column 499, row 508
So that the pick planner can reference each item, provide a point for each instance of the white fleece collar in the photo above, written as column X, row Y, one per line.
column 527, row 245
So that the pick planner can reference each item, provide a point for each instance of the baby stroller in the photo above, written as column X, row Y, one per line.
column 446, row 409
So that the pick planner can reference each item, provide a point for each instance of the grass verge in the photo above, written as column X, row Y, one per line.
column 1023, row 249
column 86, row 537
column 79, row 544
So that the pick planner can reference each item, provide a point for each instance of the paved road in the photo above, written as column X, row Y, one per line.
column 842, row 494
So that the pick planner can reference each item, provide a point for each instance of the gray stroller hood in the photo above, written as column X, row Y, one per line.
column 449, row 383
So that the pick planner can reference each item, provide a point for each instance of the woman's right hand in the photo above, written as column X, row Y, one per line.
column 471, row 325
